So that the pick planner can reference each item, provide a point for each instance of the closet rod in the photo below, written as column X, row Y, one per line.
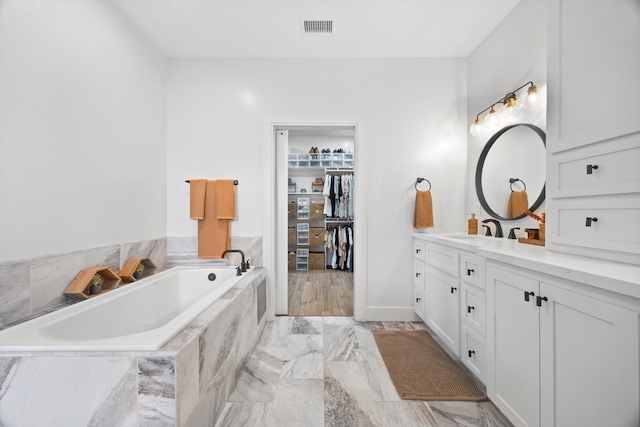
column 235, row 181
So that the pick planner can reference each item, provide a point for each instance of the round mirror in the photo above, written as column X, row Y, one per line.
column 511, row 171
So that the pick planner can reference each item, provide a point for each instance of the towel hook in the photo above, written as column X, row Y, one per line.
column 513, row 180
column 419, row 180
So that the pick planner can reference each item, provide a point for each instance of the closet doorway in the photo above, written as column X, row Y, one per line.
column 320, row 220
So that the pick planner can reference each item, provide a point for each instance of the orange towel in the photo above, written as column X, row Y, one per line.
column 518, row 202
column 197, row 189
column 214, row 235
column 226, row 199
column 423, row 215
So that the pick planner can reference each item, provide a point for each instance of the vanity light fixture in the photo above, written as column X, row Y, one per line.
column 512, row 109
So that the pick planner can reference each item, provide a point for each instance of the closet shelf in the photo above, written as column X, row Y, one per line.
column 320, row 160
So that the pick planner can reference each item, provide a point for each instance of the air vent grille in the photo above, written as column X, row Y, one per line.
column 317, row 27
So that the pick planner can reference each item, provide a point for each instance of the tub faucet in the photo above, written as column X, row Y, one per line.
column 497, row 224
column 243, row 265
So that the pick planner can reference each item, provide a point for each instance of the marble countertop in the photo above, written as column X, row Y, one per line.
column 609, row 275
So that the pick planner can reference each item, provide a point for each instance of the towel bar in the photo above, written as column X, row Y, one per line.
column 235, row 181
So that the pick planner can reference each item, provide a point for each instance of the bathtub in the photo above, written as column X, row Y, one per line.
column 139, row 316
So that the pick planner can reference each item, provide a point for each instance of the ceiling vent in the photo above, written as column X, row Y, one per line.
column 317, row 26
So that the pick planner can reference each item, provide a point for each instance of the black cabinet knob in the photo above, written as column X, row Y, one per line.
column 469, row 308
column 528, row 294
column 418, row 251
column 417, row 275
column 590, row 220
column 471, row 353
column 469, row 271
column 417, row 299
column 591, row 168
column 453, row 289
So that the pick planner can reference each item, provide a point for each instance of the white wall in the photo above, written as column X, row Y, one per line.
column 411, row 115
column 82, row 129
column 513, row 54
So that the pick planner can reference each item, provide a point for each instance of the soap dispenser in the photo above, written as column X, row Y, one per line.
column 473, row 224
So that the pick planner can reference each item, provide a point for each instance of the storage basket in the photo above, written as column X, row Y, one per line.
column 292, row 261
column 316, row 210
column 316, row 261
column 292, row 237
column 292, row 210
column 316, row 236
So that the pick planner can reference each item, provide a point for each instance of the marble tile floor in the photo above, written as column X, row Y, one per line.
column 327, row 371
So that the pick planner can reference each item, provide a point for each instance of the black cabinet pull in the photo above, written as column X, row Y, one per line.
column 591, row 168
column 469, row 308
column 417, row 299
column 590, row 220
column 469, row 271
column 527, row 295
column 471, row 353
column 539, row 300
column 418, row 251
column 417, row 275
column 453, row 289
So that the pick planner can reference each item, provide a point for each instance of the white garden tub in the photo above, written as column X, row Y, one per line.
column 139, row 316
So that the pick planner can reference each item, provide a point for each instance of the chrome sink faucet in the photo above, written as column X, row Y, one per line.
column 497, row 224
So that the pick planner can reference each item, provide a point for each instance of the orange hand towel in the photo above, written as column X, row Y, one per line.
column 226, row 199
column 423, row 215
column 214, row 235
column 518, row 202
column 197, row 188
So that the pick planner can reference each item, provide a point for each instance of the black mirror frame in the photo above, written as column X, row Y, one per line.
column 483, row 157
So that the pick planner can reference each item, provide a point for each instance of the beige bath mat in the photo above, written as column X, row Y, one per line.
column 421, row 370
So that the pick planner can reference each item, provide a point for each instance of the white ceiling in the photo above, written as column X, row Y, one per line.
column 272, row 29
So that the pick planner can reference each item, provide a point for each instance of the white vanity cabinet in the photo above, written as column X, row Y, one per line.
column 566, row 357
column 452, row 284
column 419, row 270
column 473, row 317
column 442, row 288
column 593, row 138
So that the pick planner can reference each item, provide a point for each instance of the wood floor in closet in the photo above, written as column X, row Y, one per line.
column 320, row 293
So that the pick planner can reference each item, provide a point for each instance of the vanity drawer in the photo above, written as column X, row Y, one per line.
column 443, row 259
column 601, row 169
column 473, row 308
column 474, row 353
column 419, row 250
column 418, row 274
column 419, row 303
column 615, row 229
column 472, row 270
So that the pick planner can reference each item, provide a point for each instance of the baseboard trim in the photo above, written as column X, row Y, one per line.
column 398, row 314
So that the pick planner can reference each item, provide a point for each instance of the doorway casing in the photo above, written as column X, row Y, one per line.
column 275, row 218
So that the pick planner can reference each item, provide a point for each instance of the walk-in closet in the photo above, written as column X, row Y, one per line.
column 321, row 221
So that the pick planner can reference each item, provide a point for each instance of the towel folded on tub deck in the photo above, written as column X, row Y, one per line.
column 423, row 214
column 518, row 202
column 197, row 188
column 214, row 235
column 225, row 199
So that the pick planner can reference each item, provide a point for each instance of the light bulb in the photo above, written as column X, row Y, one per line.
column 477, row 127
column 493, row 120
column 532, row 98
column 511, row 110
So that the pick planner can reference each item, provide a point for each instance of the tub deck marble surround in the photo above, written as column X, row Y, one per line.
column 184, row 383
column 327, row 371
column 34, row 287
